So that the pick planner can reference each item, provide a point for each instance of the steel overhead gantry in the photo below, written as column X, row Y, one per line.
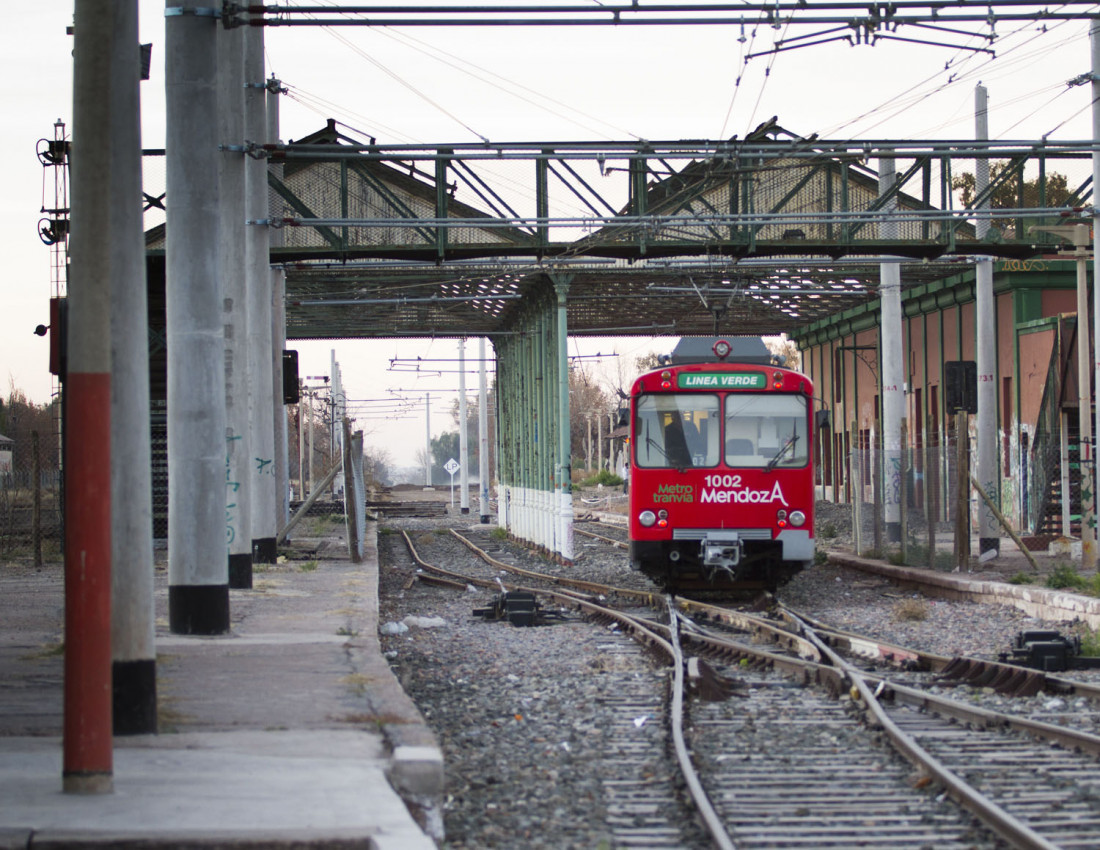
column 771, row 232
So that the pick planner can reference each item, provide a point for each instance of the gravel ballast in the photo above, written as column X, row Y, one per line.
column 524, row 714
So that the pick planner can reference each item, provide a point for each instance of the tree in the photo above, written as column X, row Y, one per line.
column 1007, row 194
column 20, row 418
column 786, row 348
column 587, row 402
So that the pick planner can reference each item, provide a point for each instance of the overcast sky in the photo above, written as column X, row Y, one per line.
column 534, row 84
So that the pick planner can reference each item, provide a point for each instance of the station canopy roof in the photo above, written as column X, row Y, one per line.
column 750, row 237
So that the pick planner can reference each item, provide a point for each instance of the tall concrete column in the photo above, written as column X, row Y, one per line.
column 257, row 250
column 482, row 434
column 1089, row 478
column 232, row 233
column 87, row 765
column 989, row 542
column 427, row 441
column 198, row 580
column 133, row 627
column 565, row 467
column 278, row 325
column 279, row 418
column 893, row 363
column 463, row 437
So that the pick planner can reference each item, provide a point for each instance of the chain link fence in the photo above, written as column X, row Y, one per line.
column 905, row 506
column 30, row 496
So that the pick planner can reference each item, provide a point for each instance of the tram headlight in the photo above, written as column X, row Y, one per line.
column 647, row 518
column 798, row 519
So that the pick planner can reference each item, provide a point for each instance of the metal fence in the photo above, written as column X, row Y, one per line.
column 905, row 506
column 30, row 500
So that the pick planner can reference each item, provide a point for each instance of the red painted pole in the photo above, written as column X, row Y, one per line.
column 88, row 749
column 105, row 35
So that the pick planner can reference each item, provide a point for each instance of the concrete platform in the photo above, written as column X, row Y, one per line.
column 291, row 731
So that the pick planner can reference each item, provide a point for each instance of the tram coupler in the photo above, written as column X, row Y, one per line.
column 722, row 550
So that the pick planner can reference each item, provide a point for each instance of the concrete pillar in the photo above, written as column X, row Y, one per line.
column 427, row 440
column 1089, row 478
column 257, row 250
column 564, row 448
column 989, row 542
column 483, row 434
column 1084, row 400
column 231, row 266
column 87, row 765
column 463, row 437
column 893, row 365
column 198, row 583
column 278, row 325
column 133, row 627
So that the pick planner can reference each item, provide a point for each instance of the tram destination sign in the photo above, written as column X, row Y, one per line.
column 722, row 381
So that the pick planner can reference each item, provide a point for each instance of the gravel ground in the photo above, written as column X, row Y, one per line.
column 522, row 714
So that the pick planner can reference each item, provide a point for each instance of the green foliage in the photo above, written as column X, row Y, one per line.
column 1090, row 644
column 821, row 557
column 499, row 533
column 1010, row 193
column 1065, row 577
column 605, row 477
column 1022, row 578
column 308, row 566
column 827, row 531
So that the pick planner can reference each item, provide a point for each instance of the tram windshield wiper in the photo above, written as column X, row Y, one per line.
column 653, row 444
column 787, row 446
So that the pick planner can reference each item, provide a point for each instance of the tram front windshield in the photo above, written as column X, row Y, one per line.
column 681, row 430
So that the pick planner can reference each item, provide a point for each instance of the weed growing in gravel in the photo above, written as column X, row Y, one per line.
column 1065, row 577
column 1022, row 578
column 605, row 477
column 911, row 610
column 828, row 531
column 499, row 533
column 1090, row 643
column 308, row 566
column 821, row 557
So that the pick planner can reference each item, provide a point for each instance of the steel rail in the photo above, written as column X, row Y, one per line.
column 643, row 596
column 1010, row 828
column 618, row 544
column 699, row 796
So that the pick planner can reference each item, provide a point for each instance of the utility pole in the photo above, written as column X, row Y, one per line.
column 482, row 436
column 989, row 539
column 463, row 448
column 893, row 361
column 101, row 38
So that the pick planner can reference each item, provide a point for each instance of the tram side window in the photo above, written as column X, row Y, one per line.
column 676, row 430
column 762, row 428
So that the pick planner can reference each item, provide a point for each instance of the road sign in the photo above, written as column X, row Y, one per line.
column 451, row 466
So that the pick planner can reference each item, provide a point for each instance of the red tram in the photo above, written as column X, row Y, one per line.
column 721, row 478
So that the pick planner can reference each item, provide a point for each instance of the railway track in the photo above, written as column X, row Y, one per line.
column 837, row 785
